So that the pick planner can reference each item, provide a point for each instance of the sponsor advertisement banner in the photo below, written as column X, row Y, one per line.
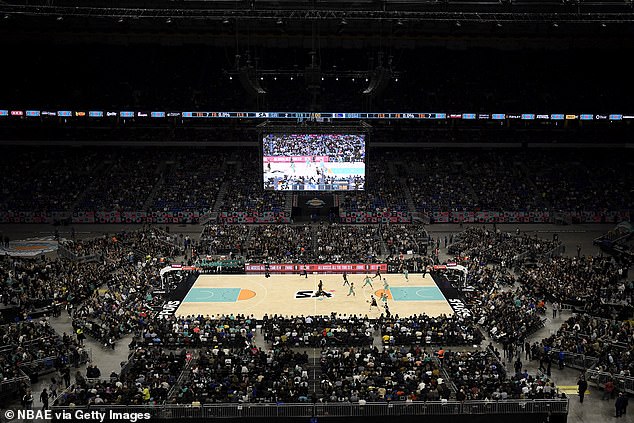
column 322, row 268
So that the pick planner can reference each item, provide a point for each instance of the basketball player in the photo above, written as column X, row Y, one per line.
column 387, row 311
column 304, row 272
column 345, row 279
column 373, row 303
column 320, row 288
column 351, row 290
column 384, row 297
column 406, row 273
column 385, row 285
column 367, row 281
column 378, row 273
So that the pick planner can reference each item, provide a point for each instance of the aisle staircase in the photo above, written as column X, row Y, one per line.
column 288, row 203
column 314, row 374
column 384, row 250
column 161, row 170
column 104, row 166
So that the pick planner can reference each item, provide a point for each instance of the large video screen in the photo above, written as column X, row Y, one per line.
column 314, row 162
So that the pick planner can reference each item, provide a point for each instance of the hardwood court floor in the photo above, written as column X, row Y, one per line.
column 293, row 295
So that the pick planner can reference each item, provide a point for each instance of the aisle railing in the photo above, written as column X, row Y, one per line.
column 432, row 408
column 621, row 383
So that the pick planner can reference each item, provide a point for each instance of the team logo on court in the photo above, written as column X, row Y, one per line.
column 169, row 308
column 458, row 307
column 309, row 293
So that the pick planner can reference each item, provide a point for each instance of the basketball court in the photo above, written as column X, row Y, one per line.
column 254, row 294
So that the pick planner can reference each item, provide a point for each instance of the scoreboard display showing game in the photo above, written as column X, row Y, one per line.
column 313, row 162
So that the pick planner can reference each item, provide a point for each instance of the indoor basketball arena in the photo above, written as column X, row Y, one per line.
column 316, row 211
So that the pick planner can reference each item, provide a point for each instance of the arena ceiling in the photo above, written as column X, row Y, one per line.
column 401, row 23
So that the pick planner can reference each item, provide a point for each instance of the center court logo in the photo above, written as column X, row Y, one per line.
column 309, row 293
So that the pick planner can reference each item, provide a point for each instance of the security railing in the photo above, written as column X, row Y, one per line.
column 555, row 252
column 11, row 386
column 621, row 383
column 48, row 364
column 245, row 410
column 66, row 253
column 577, row 361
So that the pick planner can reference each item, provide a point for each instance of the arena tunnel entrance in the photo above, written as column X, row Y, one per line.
column 315, row 207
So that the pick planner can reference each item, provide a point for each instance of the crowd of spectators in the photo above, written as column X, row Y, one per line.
column 323, row 243
column 225, row 331
column 221, row 239
column 147, row 379
column 509, row 315
column 349, row 148
column 384, row 191
column 33, row 348
column 318, row 331
column 610, row 341
column 243, row 375
column 191, row 182
column 125, row 183
column 403, row 238
column 244, row 189
column 479, row 375
column 372, row 374
column 347, row 244
column 32, row 285
column 568, row 181
column 169, row 180
column 509, row 307
column 508, row 311
column 425, row 330
column 444, row 182
column 498, row 247
column 587, row 282
column 37, row 180
column 107, row 297
column 281, row 244
column 491, row 258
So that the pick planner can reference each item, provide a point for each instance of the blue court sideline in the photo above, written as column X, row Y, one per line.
column 416, row 293
column 212, row 295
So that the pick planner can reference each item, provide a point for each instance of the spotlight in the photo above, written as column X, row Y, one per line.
column 555, row 25
column 261, row 78
column 225, row 21
column 343, row 21
column 168, row 20
column 280, row 21
column 230, row 77
column 399, row 23
column 60, row 18
column 458, row 24
column 120, row 20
